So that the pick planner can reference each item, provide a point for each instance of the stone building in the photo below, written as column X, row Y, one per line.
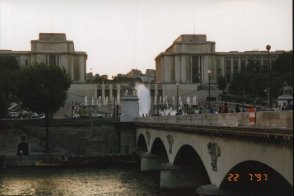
column 190, row 56
column 53, row 49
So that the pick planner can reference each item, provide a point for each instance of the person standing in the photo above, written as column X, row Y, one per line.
column 225, row 108
column 237, row 108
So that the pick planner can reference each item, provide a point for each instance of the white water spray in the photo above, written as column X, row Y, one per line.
column 143, row 94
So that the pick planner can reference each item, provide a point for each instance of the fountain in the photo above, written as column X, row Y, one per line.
column 86, row 100
column 99, row 100
column 92, row 101
column 106, row 100
column 143, row 94
column 188, row 101
column 174, row 102
column 195, row 100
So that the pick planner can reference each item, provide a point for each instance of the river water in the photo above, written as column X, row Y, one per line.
column 104, row 181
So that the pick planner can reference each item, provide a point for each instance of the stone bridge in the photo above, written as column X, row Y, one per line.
column 220, row 154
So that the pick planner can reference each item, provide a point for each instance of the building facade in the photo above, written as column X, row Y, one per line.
column 53, row 49
column 190, row 57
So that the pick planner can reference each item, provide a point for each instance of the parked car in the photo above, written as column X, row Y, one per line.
column 13, row 114
column 99, row 115
column 35, row 115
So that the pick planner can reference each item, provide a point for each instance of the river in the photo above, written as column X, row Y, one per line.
column 104, row 181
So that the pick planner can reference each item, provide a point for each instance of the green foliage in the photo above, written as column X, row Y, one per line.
column 3, row 104
column 97, row 78
column 221, row 82
column 9, row 70
column 282, row 70
column 253, row 81
column 43, row 88
column 104, row 79
column 125, row 79
column 284, row 63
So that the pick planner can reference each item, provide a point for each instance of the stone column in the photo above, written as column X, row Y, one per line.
column 232, row 68
column 177, row 68
column 151, row 162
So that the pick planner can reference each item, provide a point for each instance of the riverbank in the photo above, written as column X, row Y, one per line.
column 50, row 160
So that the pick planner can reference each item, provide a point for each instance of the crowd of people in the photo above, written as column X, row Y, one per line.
column 224, row 108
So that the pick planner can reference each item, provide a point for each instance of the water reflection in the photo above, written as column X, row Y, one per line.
column 80, row 181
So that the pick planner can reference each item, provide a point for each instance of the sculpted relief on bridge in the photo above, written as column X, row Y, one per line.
column 214, row 151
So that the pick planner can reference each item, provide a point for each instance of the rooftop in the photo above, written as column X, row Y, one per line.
column 52, row 37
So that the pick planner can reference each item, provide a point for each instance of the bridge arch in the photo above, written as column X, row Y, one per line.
column 141, row 144
column 158, row 148
column 155, row 157
column 187, row 158
column 255, row 178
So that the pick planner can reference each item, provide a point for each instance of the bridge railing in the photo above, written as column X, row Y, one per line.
column 268, row 119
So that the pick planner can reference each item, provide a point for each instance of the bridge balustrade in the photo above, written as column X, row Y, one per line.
column 272, row 119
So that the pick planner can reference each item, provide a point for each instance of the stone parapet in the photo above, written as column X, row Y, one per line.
column 280, row 119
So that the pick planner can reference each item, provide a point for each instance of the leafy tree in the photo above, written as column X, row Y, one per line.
column 89, row 77
column 43, row 89
column 3, row 104
column 284, row 63
column 221, row 82
column 254, row 79
column 9, row 70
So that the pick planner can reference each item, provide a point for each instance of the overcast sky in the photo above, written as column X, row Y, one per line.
column 119, row 35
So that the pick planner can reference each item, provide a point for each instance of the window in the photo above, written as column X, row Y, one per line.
column 152, row 92
column 107, row 93
column 228, row 65
column 159, row 92
column 243, row 64
column 172, row 69
column 218, row 67
column 196, row 69
column 76, row 72
column 99, row 92
column 53, row 60
column 235, row 65
column 114, row 91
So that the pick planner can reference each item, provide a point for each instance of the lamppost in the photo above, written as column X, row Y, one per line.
column 268, row 47
column 177, row 84
column 72, row 109
column 209, row 72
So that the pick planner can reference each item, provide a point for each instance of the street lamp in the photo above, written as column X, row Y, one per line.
column 209, row 72
column 72, row 109
column 268, row 47
column 177, row 84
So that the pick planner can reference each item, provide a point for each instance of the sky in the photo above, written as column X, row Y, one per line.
column 120, row 35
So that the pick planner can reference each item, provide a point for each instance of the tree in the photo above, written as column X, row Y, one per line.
column 221, row 82
column 254, row 79
column 89, row 77
column 42, row 89
column 3, row 104
column 9, row 70
column 283, row 65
